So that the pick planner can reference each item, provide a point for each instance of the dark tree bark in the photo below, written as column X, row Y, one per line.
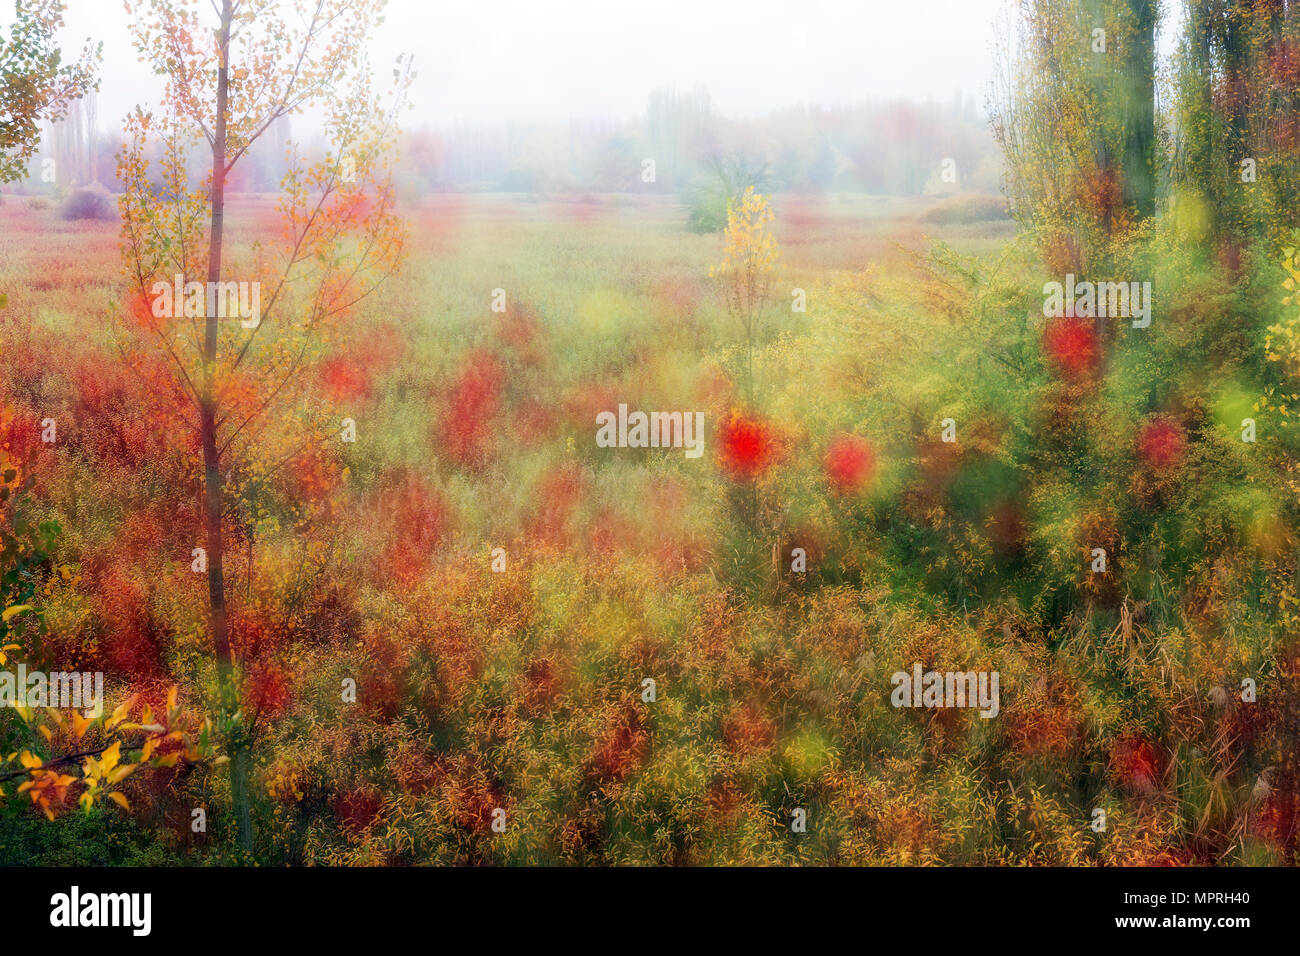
column 1139, row 64
column 211, row 456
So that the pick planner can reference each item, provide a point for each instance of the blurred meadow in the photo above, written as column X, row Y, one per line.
column 456, row 628
column 478, row 689
column 522, row 690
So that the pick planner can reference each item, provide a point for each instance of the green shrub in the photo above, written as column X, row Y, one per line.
column 724, row 179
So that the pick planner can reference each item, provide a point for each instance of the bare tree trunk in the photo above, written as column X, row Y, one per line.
column 1140, row 111
column 211, row 457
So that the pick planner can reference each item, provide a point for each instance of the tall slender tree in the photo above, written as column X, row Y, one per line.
column 230, row 78
column 1137, row 94
column 1074, row 111
column 1237, row 143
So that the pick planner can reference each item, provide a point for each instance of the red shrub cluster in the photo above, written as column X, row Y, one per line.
column 1071, row 346
column 850, row 463
column 746, row 446
column 467, row 431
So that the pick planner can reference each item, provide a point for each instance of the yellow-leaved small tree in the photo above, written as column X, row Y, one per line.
column 746, row 269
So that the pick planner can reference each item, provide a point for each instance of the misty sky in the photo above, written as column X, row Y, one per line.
column 495, row 60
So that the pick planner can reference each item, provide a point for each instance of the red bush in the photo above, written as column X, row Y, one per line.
column 1162, row 442
column 746, row 447
column 850, row 463
column 1071, row 346
column 472, row 404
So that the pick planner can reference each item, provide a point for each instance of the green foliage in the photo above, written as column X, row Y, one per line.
column 35, row 84
column 1236, row 161
column 722, row 182
column 1074, row 115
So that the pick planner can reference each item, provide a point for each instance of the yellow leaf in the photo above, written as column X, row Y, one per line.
column 119, row 715
column 10, row 613
column 120, row 800
column 108, row 760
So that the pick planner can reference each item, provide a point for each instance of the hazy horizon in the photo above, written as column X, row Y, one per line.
column 508, row 61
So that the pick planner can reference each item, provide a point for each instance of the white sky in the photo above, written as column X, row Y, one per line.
column 496, row 60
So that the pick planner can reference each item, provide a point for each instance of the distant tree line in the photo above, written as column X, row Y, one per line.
column 888, row 147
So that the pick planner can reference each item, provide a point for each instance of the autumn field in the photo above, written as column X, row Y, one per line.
column 518, row 689
column 513, row 682
column 452, row 470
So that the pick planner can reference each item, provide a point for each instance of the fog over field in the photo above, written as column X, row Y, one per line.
column 505, row 60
